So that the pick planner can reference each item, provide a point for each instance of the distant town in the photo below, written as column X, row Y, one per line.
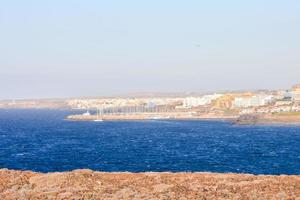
column 214, row 105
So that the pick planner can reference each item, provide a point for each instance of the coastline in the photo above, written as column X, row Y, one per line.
column 88, row 184
column 151, row 116
column 264, row 120
column 269, row 119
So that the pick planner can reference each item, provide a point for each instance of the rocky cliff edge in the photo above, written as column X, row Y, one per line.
column 87, row 184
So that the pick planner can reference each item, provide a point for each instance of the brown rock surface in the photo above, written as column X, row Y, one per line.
column 87, row 184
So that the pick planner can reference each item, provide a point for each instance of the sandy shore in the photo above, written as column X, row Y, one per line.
column 87, row 184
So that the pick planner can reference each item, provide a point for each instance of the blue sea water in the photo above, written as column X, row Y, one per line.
column 41, row 140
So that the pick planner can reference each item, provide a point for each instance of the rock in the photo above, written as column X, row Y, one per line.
column 87, row 184
column 247, row 120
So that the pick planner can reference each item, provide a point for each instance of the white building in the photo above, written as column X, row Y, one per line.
column 296, row 94
column 190, row 102
column 254, row 101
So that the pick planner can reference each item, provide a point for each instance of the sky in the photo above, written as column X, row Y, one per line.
column 69, row 48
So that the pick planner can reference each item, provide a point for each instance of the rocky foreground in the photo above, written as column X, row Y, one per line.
column 87, row 184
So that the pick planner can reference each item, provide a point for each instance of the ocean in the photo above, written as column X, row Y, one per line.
column 42, row 141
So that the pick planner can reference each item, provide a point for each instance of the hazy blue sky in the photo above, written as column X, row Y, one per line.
column 56, row 48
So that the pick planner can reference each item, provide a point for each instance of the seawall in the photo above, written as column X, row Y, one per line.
column 150, row 116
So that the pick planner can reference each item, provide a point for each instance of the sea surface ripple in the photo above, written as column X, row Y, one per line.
column 41, row 140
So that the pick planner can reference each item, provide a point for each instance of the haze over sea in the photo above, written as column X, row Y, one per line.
column 41, row 140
